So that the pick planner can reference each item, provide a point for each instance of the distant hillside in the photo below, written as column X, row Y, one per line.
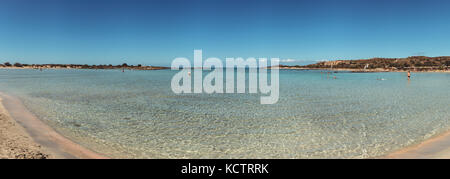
column 417, row 63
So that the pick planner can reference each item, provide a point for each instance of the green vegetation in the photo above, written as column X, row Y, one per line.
column 18, row 65
column 411, row 63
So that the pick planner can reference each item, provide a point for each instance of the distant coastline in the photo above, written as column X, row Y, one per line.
column 78, row 66
column 364, row 70
column 414, row 64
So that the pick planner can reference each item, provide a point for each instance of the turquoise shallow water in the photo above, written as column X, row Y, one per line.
column 136, row 115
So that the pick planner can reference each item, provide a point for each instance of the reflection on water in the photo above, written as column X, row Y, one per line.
column 135, row 114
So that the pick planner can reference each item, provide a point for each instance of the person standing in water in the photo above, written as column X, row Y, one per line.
column 409, row 75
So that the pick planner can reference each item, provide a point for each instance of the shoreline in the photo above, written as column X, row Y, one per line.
column 436, row 147
column 54, row 144
column 15, row 143
column 355, row 70
column 79, row 67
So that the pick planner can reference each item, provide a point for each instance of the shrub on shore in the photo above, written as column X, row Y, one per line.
column 18, row 65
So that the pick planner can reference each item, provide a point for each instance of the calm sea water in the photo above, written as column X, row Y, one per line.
column 136, row 115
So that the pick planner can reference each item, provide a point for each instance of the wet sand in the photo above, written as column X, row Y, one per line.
column 28, row 133
column 435, row 148
column 15, row 143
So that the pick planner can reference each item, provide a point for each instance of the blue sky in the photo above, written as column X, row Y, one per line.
column 155, row 32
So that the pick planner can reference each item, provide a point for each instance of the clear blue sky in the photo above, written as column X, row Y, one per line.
column 155, row 32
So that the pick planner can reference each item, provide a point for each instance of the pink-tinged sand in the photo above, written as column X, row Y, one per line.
column 57, row 145
column 435, row 148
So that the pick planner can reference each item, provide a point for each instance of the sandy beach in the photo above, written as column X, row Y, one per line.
column 15, row 143
column 23, row 136
column 437, row 147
